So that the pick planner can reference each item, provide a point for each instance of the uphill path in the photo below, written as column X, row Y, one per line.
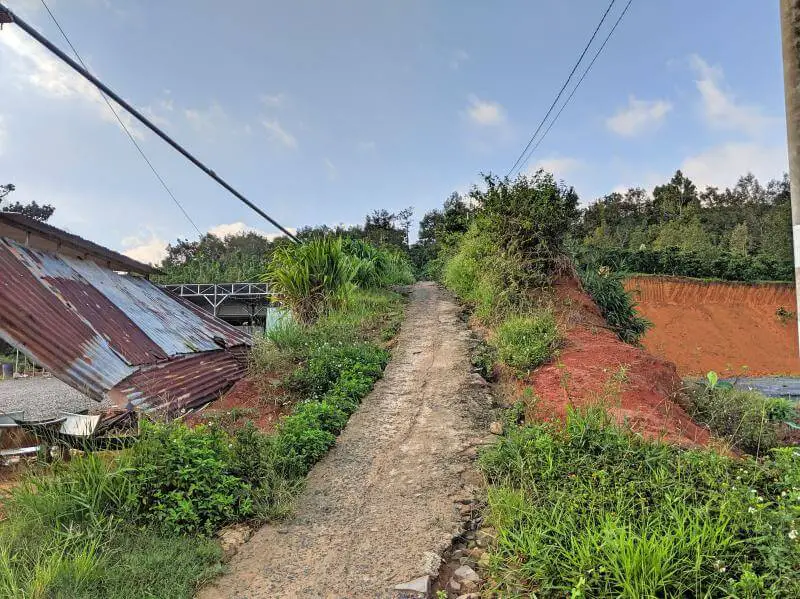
column 382, row 500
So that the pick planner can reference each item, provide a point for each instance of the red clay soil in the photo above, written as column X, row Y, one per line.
column 261, row 404
column 594, row 366
column 731, row 328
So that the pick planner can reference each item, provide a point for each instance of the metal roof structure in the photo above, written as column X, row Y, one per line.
column 39, row 235
column 112, row 335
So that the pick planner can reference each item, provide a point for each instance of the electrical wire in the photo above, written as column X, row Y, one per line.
column 124, row 127
column 563, row 87
column 7, row 15
column 577, row 85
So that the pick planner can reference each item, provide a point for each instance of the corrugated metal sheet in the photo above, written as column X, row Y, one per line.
column 94, row 328
column 183, row 382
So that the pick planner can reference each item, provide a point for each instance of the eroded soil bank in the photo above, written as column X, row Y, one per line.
column 732, row 328
column 383, row 498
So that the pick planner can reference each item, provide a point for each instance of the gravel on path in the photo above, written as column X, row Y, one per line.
column 383, row 498
column 41, row 397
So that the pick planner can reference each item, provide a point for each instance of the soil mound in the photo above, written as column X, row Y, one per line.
column 595, row 366
column 732, row 328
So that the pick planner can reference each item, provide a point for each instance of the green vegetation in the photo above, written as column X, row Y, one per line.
column 593, row 510
column 672, row 261
column 137, row 524
column 525, row 342
column 322, row 273
column 514, row 245
column 748, row 420
column 738, row 234
column 616, row 305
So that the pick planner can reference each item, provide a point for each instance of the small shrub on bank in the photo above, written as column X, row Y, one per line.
column 616, row 305
column 748, row 420
column 592, row 510
column 525, row 342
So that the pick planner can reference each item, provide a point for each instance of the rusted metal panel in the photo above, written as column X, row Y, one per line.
column 40, row 323
column 182, row 382
column 94, row 328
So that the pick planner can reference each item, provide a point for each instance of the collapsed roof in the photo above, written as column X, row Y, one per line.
column 110, row 335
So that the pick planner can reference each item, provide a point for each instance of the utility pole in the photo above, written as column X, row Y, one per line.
column 790, row 33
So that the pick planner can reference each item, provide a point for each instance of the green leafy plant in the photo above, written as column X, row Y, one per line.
column 312, row 277
column 591, row 507
column 525, row 342
column 616, row 305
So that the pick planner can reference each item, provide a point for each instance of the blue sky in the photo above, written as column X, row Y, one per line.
column 321, row 111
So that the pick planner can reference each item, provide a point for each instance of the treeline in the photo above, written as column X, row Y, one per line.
column 246, row 256
column 739, row 233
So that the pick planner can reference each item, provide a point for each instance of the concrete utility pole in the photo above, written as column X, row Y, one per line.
column 790, row 30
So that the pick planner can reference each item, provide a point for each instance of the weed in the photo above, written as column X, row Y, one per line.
column 483, row 359
column 616, row 305
column 591, row 509
column 747, row 419
column 785, row 315
column 525, row 342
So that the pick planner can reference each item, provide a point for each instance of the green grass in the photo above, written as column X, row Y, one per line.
column 592, row 510
column 139, row 523
column 525, row 342
column 615, row 303
column 748, row 420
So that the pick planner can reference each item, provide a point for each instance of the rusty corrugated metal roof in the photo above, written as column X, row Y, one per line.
column 94, row 328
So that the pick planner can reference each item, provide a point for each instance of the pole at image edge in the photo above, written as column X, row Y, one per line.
column 790, row 33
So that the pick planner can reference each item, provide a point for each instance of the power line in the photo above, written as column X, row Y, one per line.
column 577, row 85
column 7, row 14
column 122, row 124
column 561, row 91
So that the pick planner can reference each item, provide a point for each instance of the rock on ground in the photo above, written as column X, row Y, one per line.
column 382, row 499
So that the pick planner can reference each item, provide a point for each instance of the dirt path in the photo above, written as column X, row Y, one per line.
column 384, row 495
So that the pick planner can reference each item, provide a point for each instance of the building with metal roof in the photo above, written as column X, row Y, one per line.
column 80, row 310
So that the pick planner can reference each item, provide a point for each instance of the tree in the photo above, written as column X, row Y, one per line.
column 670, row 200
column 384, row 228
column 739, row 240
column 31, row 210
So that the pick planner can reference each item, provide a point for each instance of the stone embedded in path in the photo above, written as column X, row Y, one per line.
column 496, row 428
column 420, row 585
column 465, row 573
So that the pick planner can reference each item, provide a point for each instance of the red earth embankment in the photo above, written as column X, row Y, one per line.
column 594, row 366
column 732, row 328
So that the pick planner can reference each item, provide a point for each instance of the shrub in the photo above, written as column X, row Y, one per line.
column 327, row 362
column 183, row 479
column 747, row 419
column 616, row 305
column 312, row 277
column 590, row 509
column 525, row 342
column 672, row 261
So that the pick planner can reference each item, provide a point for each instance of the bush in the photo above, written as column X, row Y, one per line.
column 525, row 342
column 674, row 262
column 616, row 305
column 312, row 277
column 183, row 480
column 327, row 362
column 748, row 420
column 589, row 509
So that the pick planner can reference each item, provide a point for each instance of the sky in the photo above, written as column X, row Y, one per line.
column 322, row 111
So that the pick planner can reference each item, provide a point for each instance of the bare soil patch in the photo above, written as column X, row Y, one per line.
column 595, row 366
column 732, row 328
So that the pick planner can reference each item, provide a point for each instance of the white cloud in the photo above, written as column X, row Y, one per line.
column 559, row 167
column 720, row 108
column 485, row 112
column 238, row 228
column 721, row 166
column 273, row 100
column 366, row 146
column 277, row 133
column 3, row 134
column 333, row 172
column 639, row 116
column 459, row 57
column 150, row 250
column 36, row 67
column 208, row 121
